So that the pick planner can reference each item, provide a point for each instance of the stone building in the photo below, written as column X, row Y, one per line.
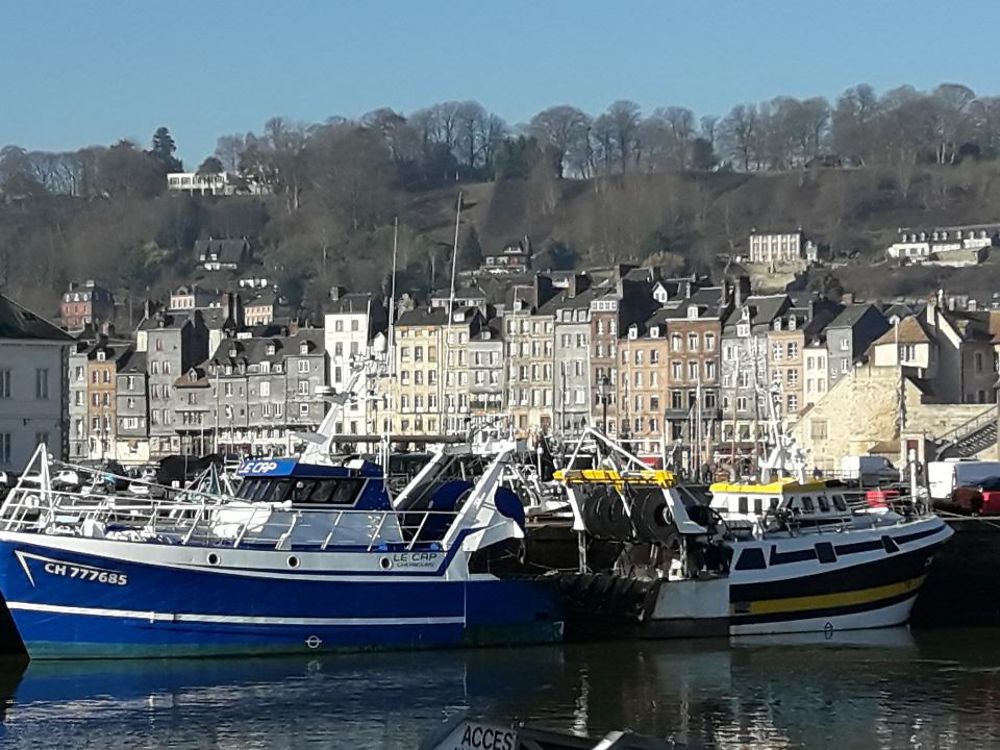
column 132, row 410
column 174, row 344
column 86, row 304
column 572, row 388
column 265, row 390
column 33, row 385
column 862, row 413
column 414, row 402
column 487, row 383
column 355, row 327
column 745, row 366
column 849, row 335
column 528, row 339
column 786, row 348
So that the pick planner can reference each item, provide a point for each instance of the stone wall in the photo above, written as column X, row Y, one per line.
column 862, row 410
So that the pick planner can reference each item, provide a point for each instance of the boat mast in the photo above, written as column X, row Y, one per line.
column 451, row 312
column 390, row 351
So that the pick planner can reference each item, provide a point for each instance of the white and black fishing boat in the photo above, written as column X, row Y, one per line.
column 654, row 563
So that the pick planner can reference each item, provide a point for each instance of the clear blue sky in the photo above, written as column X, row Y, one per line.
column 78, row 72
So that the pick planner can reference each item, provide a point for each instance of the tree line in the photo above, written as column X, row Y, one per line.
column 454, row 140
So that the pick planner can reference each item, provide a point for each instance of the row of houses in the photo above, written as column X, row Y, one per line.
column 675, row 366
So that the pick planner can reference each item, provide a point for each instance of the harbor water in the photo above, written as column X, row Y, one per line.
column 934, row 688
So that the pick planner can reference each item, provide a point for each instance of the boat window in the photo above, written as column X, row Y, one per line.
column 839, row 503
column 758, row 505
column 808, row 506
column 743, row 505
column 824, row 503
column 280, row 491
column 338, row 492
column 751, row 559
column 247, row 489
column 825, row 553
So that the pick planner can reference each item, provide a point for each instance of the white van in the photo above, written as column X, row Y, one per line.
column 944, row 476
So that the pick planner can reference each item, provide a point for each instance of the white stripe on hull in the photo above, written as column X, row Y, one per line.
column 233, row 619
column 884, row 617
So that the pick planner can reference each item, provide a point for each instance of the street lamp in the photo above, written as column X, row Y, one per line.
column 604, row 393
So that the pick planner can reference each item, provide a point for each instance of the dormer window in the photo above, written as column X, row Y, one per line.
column 792, row 324
column 100, row 356
column 232, row 352
column 270, row 350
column 654, row 332
column 692, row 312
column 743, row 329
column 777, row 324
column 304, row 348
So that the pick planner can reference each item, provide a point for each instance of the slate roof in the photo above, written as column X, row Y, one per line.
column 423, row 316
column 228, row 250
column 350, row 303
column 850, row 315
column 133, row 363
column 18, row 322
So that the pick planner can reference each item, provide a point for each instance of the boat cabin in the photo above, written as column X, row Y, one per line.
column 817, row 501
column 356, row 484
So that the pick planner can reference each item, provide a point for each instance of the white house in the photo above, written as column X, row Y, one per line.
column 32, row 385
column 953, row 246
column 354, row 333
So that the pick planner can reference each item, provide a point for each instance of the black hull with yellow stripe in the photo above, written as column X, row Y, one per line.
column 856, row 580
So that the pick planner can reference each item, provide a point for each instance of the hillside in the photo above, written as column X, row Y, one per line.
column 141, row 246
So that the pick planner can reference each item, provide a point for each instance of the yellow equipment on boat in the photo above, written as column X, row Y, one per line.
column 647, row 477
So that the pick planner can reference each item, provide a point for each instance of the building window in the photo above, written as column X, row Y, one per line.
column 303, row 388
column 793, row 350
column 42, row 383
column 5, row 447
column 5, row 384
column 793, row 403
column 709, row 342
column 303, row 365
column 303, row 410
column 265, row 389
column 817, row 429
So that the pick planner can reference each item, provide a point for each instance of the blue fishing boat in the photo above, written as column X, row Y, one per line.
column 306, row 556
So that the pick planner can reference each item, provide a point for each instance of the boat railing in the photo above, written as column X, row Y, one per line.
column 202, row 520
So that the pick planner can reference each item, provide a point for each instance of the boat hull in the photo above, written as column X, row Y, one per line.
column 74, row 598
column 860, row 581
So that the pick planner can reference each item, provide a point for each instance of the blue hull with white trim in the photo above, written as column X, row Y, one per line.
column 83, row 598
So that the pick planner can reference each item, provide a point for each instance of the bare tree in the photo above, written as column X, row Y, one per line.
column 623, row 116
column 739, row 133
column 562, row 128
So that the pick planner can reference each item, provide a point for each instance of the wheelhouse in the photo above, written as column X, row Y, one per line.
column 814, row 501
column 356, row 484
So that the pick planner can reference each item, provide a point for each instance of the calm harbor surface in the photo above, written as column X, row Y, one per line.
column 882, row 689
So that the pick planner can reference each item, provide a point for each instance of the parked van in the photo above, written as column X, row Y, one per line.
column 943, row 477
column 868, row 469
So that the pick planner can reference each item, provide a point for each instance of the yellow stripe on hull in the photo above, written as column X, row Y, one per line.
column 826, row 601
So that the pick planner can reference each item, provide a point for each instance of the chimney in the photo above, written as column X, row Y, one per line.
column 293, row 327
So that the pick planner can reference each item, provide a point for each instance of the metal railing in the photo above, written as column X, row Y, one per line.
column 201, row 521
column 969, row 427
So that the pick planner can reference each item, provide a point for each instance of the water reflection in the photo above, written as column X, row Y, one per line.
column 880, row 689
